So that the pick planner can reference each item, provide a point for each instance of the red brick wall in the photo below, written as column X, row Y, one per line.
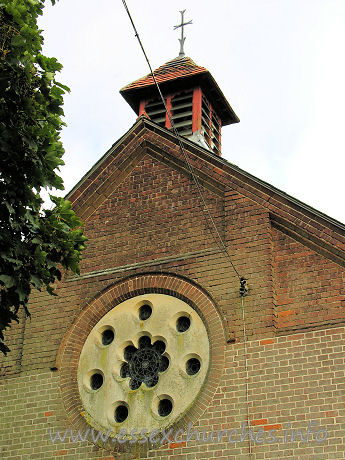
column 152, row 220
column 249, row 241
column 310, row 289
column 155, row 212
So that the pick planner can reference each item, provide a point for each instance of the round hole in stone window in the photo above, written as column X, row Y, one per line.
column 164, row 407
column 121, row 413
column 107, row 336
column 193, row 366
column 183, row 324
column 96, row 381
column 145, row 311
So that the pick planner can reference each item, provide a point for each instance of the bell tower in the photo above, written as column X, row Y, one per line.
column 194, row 101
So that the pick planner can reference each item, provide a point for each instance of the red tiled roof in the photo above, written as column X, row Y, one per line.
column 178, row 67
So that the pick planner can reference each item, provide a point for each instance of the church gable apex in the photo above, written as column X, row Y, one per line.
column 113, row 168
column 212, row 172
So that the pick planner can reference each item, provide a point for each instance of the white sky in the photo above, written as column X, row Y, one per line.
column 280, row 64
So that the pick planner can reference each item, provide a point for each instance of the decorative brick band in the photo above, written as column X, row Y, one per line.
column 73, row 342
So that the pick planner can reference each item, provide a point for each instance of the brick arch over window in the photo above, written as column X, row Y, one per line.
column 73, row 342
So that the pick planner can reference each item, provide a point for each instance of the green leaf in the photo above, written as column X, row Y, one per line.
column 36, row 281
column 21, row 294
column 8, row 281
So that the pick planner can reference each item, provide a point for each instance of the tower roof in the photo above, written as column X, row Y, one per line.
column 178, row 74
column 176, row 68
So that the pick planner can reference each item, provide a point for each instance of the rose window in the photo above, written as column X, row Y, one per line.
column 143, row 364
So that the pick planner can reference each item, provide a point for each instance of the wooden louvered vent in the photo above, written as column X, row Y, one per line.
column 156, row 111
column 191, row 113
column 182, row 111
column 210, row 126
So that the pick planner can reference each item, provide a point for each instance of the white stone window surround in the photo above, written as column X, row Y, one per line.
column 106, row 402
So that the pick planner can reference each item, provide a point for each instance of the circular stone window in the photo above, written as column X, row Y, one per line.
column 152, row 355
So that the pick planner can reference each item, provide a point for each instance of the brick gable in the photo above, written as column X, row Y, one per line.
column 154, row 212
column 141, row 215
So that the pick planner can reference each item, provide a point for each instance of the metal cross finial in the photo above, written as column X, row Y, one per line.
column 183, row 38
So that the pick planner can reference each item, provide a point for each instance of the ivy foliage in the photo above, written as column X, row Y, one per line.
column 36, row 244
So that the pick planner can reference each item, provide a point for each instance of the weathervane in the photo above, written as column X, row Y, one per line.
column 182, row 39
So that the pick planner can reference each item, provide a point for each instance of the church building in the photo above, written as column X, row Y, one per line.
column 208, row 318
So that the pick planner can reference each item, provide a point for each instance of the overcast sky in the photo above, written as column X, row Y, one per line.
column 280, row 64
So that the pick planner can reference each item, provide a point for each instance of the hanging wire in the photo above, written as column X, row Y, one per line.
column 243, row 293
column 205, row 209
column 208, row 216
